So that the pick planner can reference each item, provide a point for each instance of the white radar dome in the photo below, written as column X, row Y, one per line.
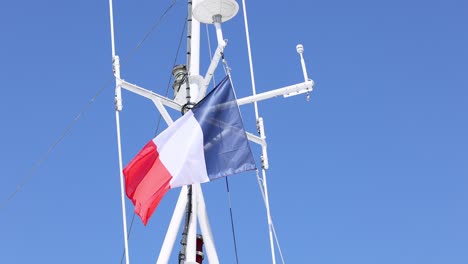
column 205, row 10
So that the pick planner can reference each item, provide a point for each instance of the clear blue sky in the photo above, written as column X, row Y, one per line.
column 374, row 169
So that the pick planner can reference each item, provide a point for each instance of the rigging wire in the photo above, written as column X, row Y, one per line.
column 68, row 128
column 46, row 155
column 155, row 25
column 232, row 220
column 174, row 63
column 249, row 52
column 128, row 237
column 226, row 70
column 260, row 185
column 263, row 187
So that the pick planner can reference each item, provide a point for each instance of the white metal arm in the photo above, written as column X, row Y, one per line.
column 285, row 91
column 216, row 57
column 157, row 99
column 211, row 69
column 150, row 95
column 256, row 139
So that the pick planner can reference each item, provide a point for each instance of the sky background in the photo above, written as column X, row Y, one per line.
column 373, row 169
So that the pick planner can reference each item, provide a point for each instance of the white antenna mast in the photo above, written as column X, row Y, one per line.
column 210, row 12
column 118, row 108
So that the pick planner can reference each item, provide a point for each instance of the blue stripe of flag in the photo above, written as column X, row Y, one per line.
column 226, row 148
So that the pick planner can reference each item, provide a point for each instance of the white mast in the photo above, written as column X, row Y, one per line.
column 210, row 12
column 118, row 108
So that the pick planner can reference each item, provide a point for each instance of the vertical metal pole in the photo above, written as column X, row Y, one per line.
column 193, row 65
column 195, row 39
column 111, row 15
column 249, row 51
column 270, row 223
column 194, row 70
column 262, row 134
column 193, row 53
column 205, row 227
column 189, row 48
column 188, row 207
column 219, row 32
column 300, row 50
column 173, row 228
column 118, row 108
column 185, row 254
column 261, row 130
column 122, row 191
column 192, row 229
column 188, row 217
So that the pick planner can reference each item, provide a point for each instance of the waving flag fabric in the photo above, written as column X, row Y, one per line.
column 206, row 143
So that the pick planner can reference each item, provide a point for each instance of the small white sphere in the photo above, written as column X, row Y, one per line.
column 300, row 48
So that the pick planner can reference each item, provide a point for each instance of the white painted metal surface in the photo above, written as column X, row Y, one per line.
column 295, row 88
column 211, row 69
column 150, row 95
column 191, row 251
column 194, row 67
column 270, row 223
column 300, row 50
column 256, row 139
column 219, row 33
column 118, row 108
column 204, row 10
column 205, row 227
column 173, row 229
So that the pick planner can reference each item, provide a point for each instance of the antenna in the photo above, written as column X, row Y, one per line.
column 213, row 12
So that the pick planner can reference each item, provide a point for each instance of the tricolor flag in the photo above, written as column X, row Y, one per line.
column 206, row 143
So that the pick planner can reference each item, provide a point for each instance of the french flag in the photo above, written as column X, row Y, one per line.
column 206, row 143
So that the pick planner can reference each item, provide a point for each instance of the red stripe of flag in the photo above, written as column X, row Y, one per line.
column 146, row 180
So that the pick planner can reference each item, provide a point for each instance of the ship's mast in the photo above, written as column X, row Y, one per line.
column 191, row 88
column 210, row 12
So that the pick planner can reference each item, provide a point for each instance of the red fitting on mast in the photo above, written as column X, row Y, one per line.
column 199, row 252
